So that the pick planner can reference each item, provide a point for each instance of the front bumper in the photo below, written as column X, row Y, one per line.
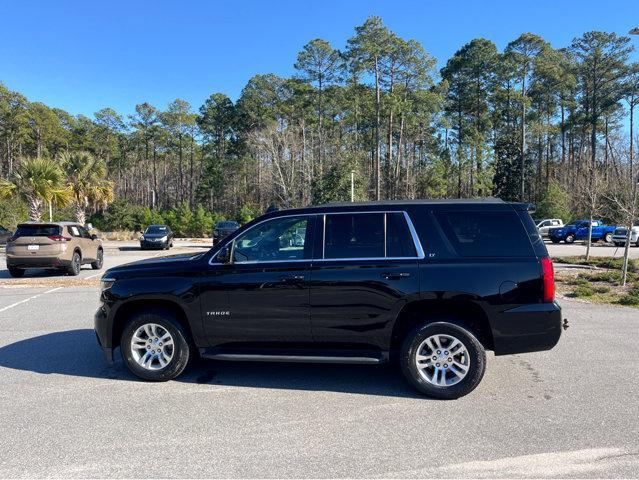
column 103, row 332
column 147, row 244
column 528, row 328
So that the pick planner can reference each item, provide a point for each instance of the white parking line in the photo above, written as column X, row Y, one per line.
column 93, row 276
column 3, row 309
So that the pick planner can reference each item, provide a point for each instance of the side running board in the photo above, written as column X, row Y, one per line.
column 261, row 357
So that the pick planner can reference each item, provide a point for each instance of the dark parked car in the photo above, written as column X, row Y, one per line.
column 432, row 284
column 224, row 229
column 156, row 236
column 4, row 235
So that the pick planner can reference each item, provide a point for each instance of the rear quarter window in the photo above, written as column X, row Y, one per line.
column 485, row 234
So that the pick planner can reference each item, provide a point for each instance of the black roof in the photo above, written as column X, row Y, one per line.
column 490, row 203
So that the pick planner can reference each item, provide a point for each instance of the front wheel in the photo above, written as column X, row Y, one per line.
column 608, row 238
column 570, row 238
column 154, row 346
column 443, row 360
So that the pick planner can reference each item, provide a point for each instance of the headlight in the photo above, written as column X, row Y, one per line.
column 106, row 283
column 164, row 238
column 141, row 237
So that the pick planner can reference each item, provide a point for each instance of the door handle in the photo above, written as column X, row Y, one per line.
column 395, row 276
column 292, row 278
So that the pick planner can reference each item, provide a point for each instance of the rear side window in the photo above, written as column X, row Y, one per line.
column 399, row 241
column 37, row 230
column 368, row 235
column 359, row 235
column 485, row 234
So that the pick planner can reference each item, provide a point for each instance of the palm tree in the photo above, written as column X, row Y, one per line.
column 86, row 176
column 38, row 181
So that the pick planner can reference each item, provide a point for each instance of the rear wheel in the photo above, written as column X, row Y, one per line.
column 155, row 347
column 570, row 238
column 16, row 272
column 76, row 264
column 443, row 360
column 97, row 265
column 608, row 237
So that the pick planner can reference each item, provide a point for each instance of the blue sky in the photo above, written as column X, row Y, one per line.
column 83, row 55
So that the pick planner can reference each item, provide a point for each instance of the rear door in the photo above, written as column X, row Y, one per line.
column 89, row 246
column 364, row 270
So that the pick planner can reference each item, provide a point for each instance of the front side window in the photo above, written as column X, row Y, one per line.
column 279, row 239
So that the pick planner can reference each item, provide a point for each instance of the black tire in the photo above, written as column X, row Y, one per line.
column 76, row 264
column 182, row 352
column 570, row 238
column 608, row 237
column 476, row 353
column 16, row 272
column 97, row 265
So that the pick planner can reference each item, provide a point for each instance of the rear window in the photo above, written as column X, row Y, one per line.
column 37, row 230
column 359, row 235
column 485, row 234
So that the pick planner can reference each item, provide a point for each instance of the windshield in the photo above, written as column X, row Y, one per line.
column 37, row 230
column 157, row 229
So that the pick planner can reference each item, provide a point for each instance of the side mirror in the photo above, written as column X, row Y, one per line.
column 224, row 256
column 94, row 237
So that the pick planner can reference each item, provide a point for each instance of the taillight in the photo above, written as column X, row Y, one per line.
column 548, row 279
column 59, row 238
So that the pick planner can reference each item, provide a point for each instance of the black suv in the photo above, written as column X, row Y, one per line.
column 432, row 284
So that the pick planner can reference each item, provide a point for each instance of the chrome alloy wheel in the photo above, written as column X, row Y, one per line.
column 152, row 346
column 442, row 360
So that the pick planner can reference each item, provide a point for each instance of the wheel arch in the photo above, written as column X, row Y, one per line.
column 466, row 313
column 133, row 307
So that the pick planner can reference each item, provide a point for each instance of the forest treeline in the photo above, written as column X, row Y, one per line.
column 532, row 122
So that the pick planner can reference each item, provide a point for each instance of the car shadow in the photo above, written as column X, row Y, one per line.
column 76, row 353
column 40, row 273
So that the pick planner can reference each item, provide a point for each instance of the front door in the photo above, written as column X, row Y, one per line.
column 261, row 297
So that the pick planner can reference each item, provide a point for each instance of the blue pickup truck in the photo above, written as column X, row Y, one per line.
column 578, row 230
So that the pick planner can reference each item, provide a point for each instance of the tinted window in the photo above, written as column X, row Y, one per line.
column 37, row 230
column 227, row 225
column 359, row 235
column 278, row 239
column 84, row 232
column 485, row 234
column 399, row 241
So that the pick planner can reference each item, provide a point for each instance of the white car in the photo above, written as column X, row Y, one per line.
column 546, row 224
column 621, row 234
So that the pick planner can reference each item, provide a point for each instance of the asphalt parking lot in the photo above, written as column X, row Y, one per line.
column 569, row 412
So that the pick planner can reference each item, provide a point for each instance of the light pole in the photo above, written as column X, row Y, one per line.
column 352, row 185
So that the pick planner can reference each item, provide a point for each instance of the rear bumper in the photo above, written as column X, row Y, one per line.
column 527, row 328
column 17, row 261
